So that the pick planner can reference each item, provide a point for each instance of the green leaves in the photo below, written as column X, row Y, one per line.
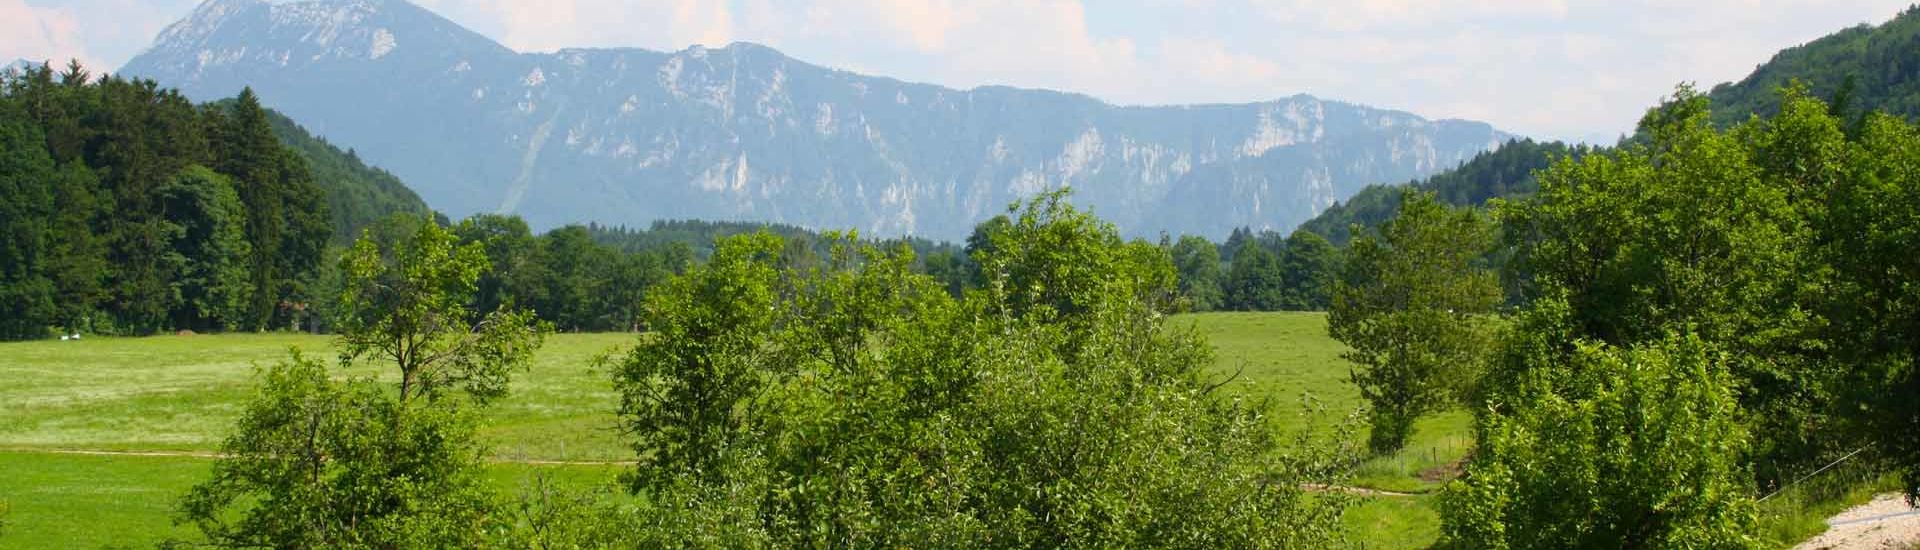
column 408, row 304
column 854, row 402
column 1638, row 448
column 1414, row 303
column 316, row 462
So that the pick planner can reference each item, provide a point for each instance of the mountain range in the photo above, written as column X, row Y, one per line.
column 629, row 136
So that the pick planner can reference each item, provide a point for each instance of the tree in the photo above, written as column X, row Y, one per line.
column 518, row 274
column 1309, row 268
column 26, row 210
column 1710, row 233
column 1198, row 262
column 703, row 361
column 287, row 218
column 1612, row 448
column 1413, row 305
column 209, row 253
column 316, row 462
column 1875, row 219
column 1255, row 282
column 407, row 304
column 856, row 403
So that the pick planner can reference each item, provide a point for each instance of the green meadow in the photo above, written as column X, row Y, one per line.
column 178, row 395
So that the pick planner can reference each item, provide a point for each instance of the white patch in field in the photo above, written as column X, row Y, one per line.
column 900, row 97
column 479, row 94
column 462, row 67
column 630, row 105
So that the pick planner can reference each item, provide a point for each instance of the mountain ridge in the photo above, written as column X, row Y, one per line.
column 745, row 132
column 1867, row 67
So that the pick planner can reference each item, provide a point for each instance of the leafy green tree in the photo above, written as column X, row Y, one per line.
column 1055, row 261
column 1609, row 448
column 703, row 361
column 1875, row 219
column 26, row 210
column 1413, row 304
column 1256, row 281
column 519, row 266
column 316, row 462
column 1198, row 262
column 856, row 403
column 211, row 286
column 287, row 217
column 78, row 260
column 407, row 304
column 1310, row 267
column 1707, row 232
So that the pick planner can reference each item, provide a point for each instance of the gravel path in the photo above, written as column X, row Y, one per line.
column 1885, row 523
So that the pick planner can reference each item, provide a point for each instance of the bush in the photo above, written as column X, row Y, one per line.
column 1612, row 448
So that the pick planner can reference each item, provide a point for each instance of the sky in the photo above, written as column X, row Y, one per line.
column 1557, row 69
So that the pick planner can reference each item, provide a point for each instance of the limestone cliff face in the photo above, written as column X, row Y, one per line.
column 627, row 136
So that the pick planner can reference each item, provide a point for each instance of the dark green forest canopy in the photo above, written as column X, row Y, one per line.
column 134, row 210
column 1859, row 70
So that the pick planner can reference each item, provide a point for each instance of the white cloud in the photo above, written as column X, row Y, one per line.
column 40, row 34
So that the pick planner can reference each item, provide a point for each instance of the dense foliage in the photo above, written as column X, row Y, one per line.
column 321, row 463
column 130, row 210
column 858, row 404
column 1714, row 313
column 1609, row 448
column 1414, row 305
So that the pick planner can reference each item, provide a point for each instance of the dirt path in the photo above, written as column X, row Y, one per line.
column 1885, row 523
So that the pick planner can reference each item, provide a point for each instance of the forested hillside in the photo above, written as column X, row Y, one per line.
column 1861, row 69
column 357, row 194
column 1506, row 172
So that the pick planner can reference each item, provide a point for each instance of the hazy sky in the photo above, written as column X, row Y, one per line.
column 1549, row 68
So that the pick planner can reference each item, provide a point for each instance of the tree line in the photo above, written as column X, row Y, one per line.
column 129, row 210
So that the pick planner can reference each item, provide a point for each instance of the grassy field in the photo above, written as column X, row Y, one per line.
column 180, row 394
